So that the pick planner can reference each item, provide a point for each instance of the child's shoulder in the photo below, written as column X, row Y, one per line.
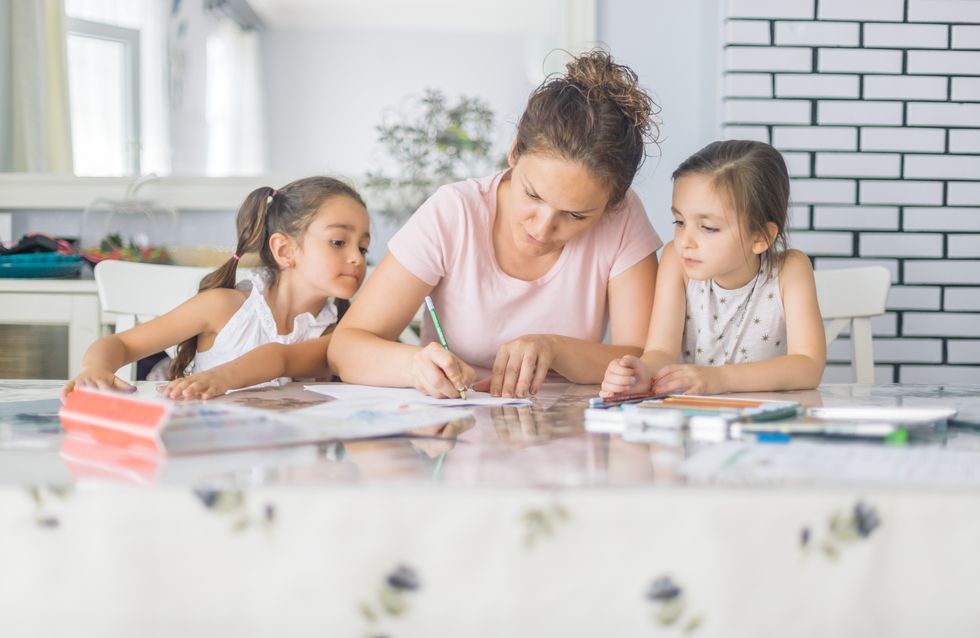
column 222, row 300
column 794, row 263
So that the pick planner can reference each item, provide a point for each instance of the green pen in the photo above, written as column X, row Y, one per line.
column 442, row 336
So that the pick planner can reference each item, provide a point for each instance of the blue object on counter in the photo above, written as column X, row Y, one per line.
column 38, row 265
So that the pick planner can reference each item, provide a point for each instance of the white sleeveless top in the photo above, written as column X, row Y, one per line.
column 253, row 325
column 734, row 326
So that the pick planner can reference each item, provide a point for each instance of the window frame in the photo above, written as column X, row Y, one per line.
column 130, row 40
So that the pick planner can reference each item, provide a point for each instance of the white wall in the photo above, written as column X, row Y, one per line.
column 675, row 48
column 322, row 116
column 6, row 116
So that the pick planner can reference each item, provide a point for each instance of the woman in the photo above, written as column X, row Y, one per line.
column 523, row 265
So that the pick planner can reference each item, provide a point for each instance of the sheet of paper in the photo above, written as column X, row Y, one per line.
column 800, row 462
column 346, row 391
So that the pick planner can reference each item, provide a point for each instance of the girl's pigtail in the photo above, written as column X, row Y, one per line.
column 251, row 225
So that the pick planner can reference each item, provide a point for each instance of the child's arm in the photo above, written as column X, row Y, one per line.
column 663, row 345
column 267, row 362
column 196, row 316
column 800, row 369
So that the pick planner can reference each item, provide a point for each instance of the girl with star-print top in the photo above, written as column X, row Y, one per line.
column 735, row 310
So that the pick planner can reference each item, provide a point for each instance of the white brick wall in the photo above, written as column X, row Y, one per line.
column 861, row 10
column 901, row 245
column 901, row 192
column 858, row 112
column 943, row 10
column 747, row 32
column 966, row 37
column 749, row 111
column 818, row 33
column 966, row 89
column 915, row 298
column 961, row 298
column 956, row 219
column 817, row 85
column 903, row 139
column 901, row 36
column 875, row 105
column 859, row 60
column 942, row 324
column 905, row 87
column 942, row 166
column 964, row 246
column 822, row 138
column 859, row 164
column 748, row 85
column 932, row 62
column 856, row 217
column 946, row 271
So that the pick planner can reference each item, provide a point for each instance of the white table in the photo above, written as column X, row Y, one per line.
column 71, row 302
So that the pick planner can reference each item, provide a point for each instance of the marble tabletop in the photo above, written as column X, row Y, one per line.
column 514, row 522
column 542, row 445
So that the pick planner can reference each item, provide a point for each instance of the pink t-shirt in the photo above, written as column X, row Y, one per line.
column 448, row 244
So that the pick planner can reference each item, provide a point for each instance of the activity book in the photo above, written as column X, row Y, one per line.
column 159, row 426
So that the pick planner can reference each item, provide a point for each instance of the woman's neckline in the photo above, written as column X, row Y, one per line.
column 493, row 202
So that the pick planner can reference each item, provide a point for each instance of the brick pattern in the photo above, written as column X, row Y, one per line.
column 875, row 105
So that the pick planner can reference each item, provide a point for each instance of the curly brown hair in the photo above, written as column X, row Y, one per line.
column 596, row 114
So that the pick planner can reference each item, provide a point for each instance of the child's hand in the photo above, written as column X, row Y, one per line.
column 626, row 374
column 97, row 378
column 439, row 373
column 691, row 379
column 203, row 385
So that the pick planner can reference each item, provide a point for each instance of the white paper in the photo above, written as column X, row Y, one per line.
column 346, row 391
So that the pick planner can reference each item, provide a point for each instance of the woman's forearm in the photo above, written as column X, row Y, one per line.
column 582, row 361
column 359, row 356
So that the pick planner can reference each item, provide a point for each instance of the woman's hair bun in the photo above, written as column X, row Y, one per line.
column 600, row 78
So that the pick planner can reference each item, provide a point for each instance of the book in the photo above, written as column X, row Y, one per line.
column 160, row 426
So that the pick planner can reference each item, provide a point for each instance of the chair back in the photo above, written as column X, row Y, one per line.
column 132, row 293
column 849, row 297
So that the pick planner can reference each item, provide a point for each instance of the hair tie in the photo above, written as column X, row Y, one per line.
column 236, row 256
column 274, row 193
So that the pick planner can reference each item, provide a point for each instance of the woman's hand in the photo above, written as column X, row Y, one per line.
column 626, row 374
column 691, row 379
column 439, row 373
column 97, row 378
column 521, row 366
column 203, row 385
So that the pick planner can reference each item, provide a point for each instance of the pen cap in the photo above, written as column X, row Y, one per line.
column 708, row 428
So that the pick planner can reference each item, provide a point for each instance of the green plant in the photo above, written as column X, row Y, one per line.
column 430, row 143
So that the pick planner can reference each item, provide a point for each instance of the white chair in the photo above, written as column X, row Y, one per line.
column 131, row 293
column 851, row 296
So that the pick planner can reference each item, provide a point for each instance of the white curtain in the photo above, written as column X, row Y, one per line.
column 40, row 127
column 234, row 101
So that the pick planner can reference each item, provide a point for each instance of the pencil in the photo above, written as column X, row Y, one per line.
column 442, row 336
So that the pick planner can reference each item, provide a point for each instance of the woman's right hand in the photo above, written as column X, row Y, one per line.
column 439, row 373
column 97, row 378
column 626, row 374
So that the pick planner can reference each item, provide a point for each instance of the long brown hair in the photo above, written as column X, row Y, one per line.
column 753, row 176
column 266, row 211
column 595, row 114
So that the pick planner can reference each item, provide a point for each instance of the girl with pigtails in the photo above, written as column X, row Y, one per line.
column 312, row 236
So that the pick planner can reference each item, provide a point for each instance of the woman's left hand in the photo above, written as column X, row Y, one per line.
column 203, row 385
column 690, row 379
column 521, row 366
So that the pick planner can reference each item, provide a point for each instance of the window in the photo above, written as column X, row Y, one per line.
column 103, row 86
